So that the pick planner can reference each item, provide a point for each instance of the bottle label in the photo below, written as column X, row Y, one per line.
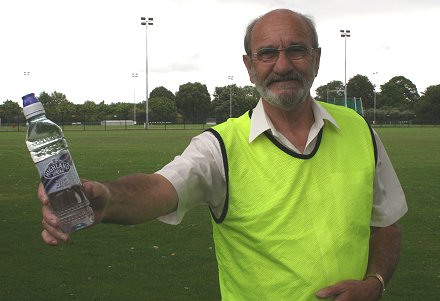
column 58, row 172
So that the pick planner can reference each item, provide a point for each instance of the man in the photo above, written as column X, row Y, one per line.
column 303, row 196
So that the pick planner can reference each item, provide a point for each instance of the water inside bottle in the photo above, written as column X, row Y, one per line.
column 72, row 208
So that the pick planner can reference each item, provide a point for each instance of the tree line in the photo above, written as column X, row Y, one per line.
column 395, row 101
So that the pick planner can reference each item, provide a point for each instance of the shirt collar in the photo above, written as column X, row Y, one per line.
column 260, row 122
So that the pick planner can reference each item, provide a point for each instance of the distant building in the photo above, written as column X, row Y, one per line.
column 118, row 122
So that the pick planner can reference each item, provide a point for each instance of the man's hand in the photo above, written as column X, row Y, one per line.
column 98, row 195
column 369, row 289
column 129, row 200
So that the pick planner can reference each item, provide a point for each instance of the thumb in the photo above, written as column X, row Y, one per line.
column 98, row 193
column 94, row 189
column 99, row 196
column 327, row 292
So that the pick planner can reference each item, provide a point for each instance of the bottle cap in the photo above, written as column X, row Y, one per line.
column 32, row 106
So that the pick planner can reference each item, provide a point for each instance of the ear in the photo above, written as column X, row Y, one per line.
column 247, row 62
column 317, row 61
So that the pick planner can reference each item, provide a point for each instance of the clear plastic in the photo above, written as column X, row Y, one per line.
column 48, row 148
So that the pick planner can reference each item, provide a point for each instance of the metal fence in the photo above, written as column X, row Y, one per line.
column 352, row 103
column 18, row 124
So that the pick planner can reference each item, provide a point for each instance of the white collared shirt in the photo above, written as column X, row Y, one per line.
column 260, row 123
column 199, row 178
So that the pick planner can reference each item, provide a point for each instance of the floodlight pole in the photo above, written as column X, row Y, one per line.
column 134, row 76
column 145, row 22
column 345, row 34
column 231, row 77
column 374, row 110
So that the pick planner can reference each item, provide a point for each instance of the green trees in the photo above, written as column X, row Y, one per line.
column 398, row 92
column 333, row 89
column 193, row 101
column 162, row 109
column 162, row 105
column 57, row 106
column 93, row 111
column 9, row 112
column 396, row 101
column 428, row 107
column 360, row 86
column 224, row 99
column 162, row 92
column 233, row 100
column 247, row 98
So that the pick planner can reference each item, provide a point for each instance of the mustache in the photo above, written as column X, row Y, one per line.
column 274, row 77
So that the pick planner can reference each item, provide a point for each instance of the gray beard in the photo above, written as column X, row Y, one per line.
column 288, row 102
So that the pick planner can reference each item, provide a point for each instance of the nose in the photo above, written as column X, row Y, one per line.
column 283, row 64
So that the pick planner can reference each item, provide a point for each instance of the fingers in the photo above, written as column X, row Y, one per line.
column 335, row 290
column 51, row 234
column 49, row 217
column 48, row 238
column 50, row 222
column 327, row 292
column 350, row 290
column 42, row 195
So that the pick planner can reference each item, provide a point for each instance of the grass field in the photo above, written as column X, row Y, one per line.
column 155, row 261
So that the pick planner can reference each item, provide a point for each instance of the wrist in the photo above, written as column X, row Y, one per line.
column 379, row 279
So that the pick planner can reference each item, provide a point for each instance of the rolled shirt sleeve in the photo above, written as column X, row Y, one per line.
column 199, row 178
column 389, row 203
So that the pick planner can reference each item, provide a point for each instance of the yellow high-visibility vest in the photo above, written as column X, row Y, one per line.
column 293, row 224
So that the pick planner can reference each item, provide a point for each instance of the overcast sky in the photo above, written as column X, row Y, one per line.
column 88, row 49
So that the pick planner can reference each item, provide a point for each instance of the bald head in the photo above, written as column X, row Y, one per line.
column 280, row 13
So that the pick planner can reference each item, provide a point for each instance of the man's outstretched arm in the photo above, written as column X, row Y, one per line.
column 130, row 199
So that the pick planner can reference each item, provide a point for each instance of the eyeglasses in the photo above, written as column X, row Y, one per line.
column 292, row 52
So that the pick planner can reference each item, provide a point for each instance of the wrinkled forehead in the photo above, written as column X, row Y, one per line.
column 280, row 28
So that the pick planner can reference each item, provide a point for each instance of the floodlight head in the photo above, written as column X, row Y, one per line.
column 146, row 21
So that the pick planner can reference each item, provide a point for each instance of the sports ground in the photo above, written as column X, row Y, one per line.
column 155, row 261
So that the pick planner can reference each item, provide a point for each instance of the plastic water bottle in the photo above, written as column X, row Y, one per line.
column 48, row 148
